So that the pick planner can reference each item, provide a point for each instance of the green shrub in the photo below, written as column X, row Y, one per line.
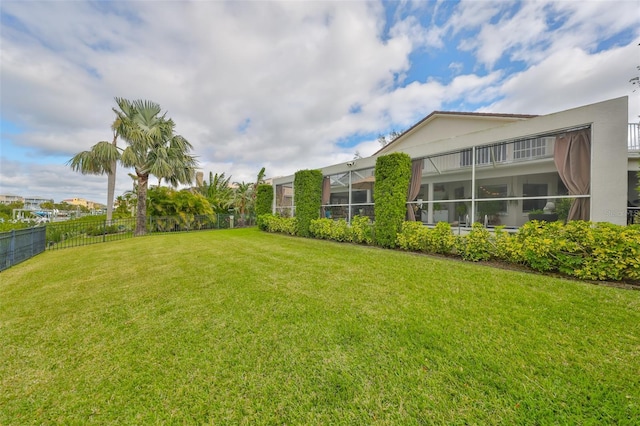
column 307, row 186
column 586, row 250
column 273, row 223
column 321, row 228
column 361, row 230
column 413, row 236
column 392, row 174
column 264, row 199
column 477, row 245
column 443, row 241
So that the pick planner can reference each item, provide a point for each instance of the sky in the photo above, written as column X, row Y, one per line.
column 288, row 85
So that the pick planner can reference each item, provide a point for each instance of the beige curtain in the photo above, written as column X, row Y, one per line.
column 326, row 193
column 572, row 155
column 414, row 186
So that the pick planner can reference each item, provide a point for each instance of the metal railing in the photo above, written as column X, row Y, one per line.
column 21, row 244
column 633, row 215
column 633, row 137
column 64, row 235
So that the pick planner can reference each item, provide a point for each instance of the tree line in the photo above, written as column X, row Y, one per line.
column 151, row 147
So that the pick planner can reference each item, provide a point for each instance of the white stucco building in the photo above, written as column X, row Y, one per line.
column 497, row 168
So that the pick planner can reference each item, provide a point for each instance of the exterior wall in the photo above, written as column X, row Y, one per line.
column 8, row 199
column 444, row 126
column 609, row 149
column 33, row 203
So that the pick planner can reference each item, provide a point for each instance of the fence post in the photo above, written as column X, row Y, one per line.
column 12, row 247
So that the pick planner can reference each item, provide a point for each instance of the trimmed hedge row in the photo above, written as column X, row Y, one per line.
column 393, row 174
column 585, row 250
column 307, row 187
column 264, row 199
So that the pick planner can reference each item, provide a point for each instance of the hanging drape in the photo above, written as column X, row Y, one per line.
column 326, row 194
column 414, row 186
column 572, row 155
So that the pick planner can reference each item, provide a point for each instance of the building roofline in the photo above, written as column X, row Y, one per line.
column 454, row 113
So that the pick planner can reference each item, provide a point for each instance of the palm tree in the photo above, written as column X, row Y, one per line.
column 218, row 192
column 152, row 149
column 102, row 158
column 243, row 198
column 259, row 181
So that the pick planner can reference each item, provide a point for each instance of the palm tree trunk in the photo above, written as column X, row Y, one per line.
column 111, row 184
column 141, row 214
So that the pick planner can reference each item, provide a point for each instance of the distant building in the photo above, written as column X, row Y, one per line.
column 8, row 199
column 91, row 205
column 33, row 203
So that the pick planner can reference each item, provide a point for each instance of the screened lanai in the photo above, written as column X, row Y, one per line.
column 497, row 184
column 572, row 163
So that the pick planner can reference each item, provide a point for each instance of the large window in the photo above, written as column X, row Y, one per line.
column 530, row 148
column 484, row 155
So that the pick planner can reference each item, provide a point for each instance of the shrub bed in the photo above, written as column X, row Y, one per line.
column 585, row 250
column 360, row 231
column 274, row 223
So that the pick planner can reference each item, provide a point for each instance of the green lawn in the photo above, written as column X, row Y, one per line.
column 243, row 327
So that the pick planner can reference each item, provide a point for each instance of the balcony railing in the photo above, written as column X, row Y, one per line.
column 633, row 138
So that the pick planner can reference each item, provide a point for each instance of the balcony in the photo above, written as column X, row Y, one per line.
column 633, row 137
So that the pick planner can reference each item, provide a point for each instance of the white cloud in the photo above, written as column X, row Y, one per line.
column 279, row 84
column 570, row 78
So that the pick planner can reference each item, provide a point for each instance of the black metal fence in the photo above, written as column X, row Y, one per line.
column 21, row 244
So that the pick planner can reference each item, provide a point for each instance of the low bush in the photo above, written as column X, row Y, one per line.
column 442, row 240
column 585, row 250
column 360, row 231
column 274, row 223
column 478, row 245
column 413, row 236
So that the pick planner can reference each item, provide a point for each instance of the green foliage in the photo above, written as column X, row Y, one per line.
column 8, row 225
column 586, row 250
column 307, row 186
column 182, row 206
column 360, row 231
column 562, row 208
column 443, row 241
column 165, row 201
column 243, row 200
column 414, row 236
column 219, row 192
column 392, row 174
column 264, row 199
column 274, row 223
column 477, row 245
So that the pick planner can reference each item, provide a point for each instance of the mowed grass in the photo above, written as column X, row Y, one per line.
column 244, row 327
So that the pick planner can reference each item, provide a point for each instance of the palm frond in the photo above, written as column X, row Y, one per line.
column 98, row 160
